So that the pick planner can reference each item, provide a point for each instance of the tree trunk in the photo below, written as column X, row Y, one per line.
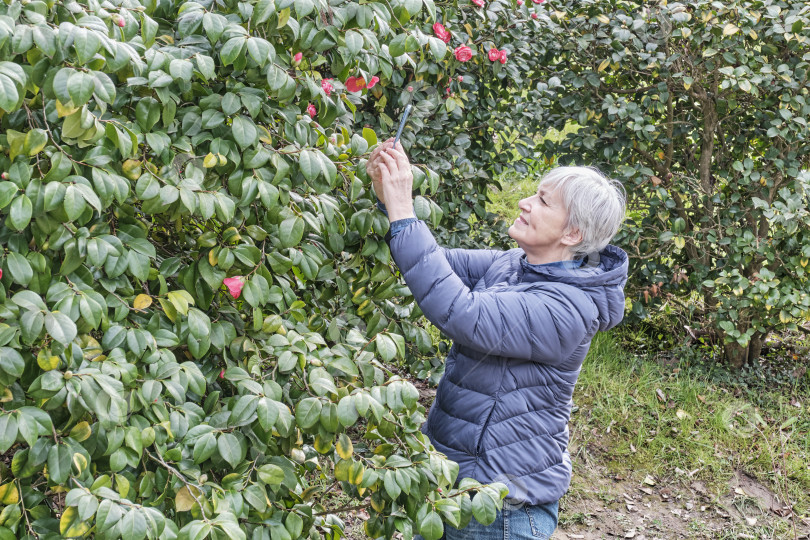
column 738, row 356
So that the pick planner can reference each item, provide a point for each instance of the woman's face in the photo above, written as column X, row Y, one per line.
column 540, row 228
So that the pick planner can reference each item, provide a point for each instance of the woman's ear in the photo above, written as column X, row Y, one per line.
column 571, row 237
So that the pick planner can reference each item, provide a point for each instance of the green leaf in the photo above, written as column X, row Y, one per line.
column 232, row 50
column 133, row 525
column 60, row 327
column 308, row 412
column 229, row 449
column 267, row 412
column 198, row 323
column 59, row 460
column 347, row 411
column 8, row 425
column 20, row 212
column 291, row 231
column 431, row 527
column 80, row 87
column 19, row 268
column 244, row 131
column 9, row 96
column 484, row 508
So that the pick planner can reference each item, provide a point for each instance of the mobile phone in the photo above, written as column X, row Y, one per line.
column 402, row 121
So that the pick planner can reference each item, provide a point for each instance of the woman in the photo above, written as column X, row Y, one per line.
column 521, row 322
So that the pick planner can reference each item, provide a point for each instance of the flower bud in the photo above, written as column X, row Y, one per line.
column 410, row 89
column 297, row 58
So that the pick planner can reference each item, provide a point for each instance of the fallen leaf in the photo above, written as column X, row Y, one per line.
column 630, row 534
column 649, row 480
column 661, row 396
column 680, row 413
column 701, row 398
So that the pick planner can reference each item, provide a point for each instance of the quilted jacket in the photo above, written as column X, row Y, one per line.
column 520, row 333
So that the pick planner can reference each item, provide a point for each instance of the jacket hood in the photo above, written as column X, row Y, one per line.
column 601, row 276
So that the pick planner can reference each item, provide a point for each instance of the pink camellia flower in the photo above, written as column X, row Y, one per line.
column 460, row 78
column 520, row 2
column 534, row 15
column 502, row 57
column 374, row 80
column 355, row 84
column 410, row 89
column 311, row 110
column 235, row 285
column 297, row 58
column 327, row 86
column 538, row 1
column 222, row 374
column 1, row 273
column 463, row 53
column 441, row 32
column 494, row 54
column 479, row 3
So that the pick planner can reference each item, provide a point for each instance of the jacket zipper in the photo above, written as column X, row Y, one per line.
column 484, row 429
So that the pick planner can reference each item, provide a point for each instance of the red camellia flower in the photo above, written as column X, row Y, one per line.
column 441, row 32
column 235, row 285
column 534, row 15
column 222, row 374
column 355, row 84
column 538, row 1
column 502, row 57
column 327, row 86
column 494, row 54
column 479, row 3
column 311, row 110
column 462, row 53
column 374, row 80
column 1, row 273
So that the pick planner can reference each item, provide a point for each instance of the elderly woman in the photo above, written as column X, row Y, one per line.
column 521, row 322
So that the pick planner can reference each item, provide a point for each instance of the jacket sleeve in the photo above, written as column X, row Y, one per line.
column 540, row 325
column 470, row 264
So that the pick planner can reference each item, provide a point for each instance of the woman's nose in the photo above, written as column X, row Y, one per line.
column 525, row 204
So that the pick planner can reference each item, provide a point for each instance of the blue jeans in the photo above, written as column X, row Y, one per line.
column 514, row 522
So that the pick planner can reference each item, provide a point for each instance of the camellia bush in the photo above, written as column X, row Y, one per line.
column 701, row 108
column 198, row 311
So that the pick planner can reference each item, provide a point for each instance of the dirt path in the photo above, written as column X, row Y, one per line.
column 614, row 507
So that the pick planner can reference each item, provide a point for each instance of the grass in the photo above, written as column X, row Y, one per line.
column 701, row 430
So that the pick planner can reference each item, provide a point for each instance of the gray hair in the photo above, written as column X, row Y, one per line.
column 595, row 205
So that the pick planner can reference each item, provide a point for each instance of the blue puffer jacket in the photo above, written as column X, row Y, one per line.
column 520, row 333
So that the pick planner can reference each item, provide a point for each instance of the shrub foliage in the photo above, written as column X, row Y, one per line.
column 198, row 311
column 701, row 108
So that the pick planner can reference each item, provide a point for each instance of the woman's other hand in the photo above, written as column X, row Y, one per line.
column 397, row 180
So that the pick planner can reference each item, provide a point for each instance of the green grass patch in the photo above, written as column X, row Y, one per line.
column 639, row 417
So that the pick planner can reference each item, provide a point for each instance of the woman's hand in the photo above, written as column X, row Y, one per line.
column 373, row 170
column 397, row 180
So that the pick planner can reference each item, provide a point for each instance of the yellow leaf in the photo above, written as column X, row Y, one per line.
column 604, row 19
column 784, row 316
column 81, row 432
column 344, row 446
column 605, row 63
column 142, row 301
column 184, row 500
column 210, row 160
column 7, row 396
column 730, row 29
column 65, row 110
column 122, row 485
column 46, row 360
column 70, row 526
column 180, row 300
column 168, row 309
column 356, row 473
column 752, row 34
column 79, row 464
column 686, row 32
column 222, row 159
column 266, row 138
column 9, row 494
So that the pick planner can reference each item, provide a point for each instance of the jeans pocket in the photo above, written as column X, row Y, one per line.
column 543, row 519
